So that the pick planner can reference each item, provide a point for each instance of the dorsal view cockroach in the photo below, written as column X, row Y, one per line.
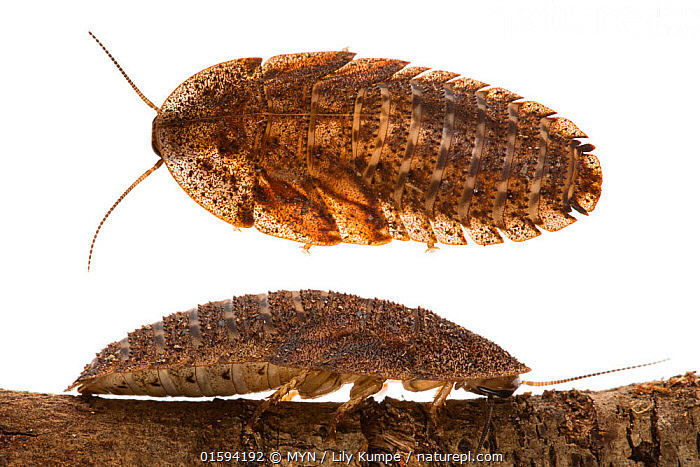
column 322, row 149
column 307, row 342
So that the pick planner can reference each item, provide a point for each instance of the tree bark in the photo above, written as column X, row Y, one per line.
column 652, row 424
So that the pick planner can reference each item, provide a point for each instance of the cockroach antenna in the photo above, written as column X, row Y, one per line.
column 145, row 174
column 144, row 98
column 491, row 393
column 126, row 192
column 576, row 378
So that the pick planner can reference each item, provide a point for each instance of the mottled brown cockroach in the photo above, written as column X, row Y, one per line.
column 307, row 342
column 322, row 149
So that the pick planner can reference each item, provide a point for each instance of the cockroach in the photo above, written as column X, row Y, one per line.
column 322, row 149
column 307, row 342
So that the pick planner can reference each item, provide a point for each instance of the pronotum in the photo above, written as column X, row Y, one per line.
column 307, row 342
column 322, row 149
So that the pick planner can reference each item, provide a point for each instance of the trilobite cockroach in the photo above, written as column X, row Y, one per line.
column 321, row 149
column 307, row 341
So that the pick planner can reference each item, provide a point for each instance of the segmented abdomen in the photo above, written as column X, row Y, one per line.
column 441, row 152
column 259, row 342
column 322, row 149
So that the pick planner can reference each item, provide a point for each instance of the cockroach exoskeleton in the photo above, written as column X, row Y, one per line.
column 322, row 149
column 306, row 342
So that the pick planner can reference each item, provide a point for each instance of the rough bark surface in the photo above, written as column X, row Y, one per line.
column 652, row 424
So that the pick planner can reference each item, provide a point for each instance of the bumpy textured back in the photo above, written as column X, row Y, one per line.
column 323, row 149
column 277, row 335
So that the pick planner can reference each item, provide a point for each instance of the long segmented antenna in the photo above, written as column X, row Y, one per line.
column 133, row 185
column 548, row 383
column 144, row 98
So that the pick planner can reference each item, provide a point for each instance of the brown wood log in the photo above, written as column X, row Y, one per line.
column 651, row 424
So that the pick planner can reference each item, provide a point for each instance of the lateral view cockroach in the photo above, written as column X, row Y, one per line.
column 322, row 149
column 308, row 341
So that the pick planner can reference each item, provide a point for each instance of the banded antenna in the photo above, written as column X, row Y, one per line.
column 575, row 378
column 144, row 98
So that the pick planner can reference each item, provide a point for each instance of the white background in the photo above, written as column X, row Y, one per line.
column 616, row 288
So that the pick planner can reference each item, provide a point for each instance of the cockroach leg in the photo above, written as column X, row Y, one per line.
column 440, row 397
column 364, row 387
column 438, row 402
column 277, row 396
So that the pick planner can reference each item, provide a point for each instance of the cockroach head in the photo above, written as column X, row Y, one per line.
column 503, row 386
column 154, row 139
